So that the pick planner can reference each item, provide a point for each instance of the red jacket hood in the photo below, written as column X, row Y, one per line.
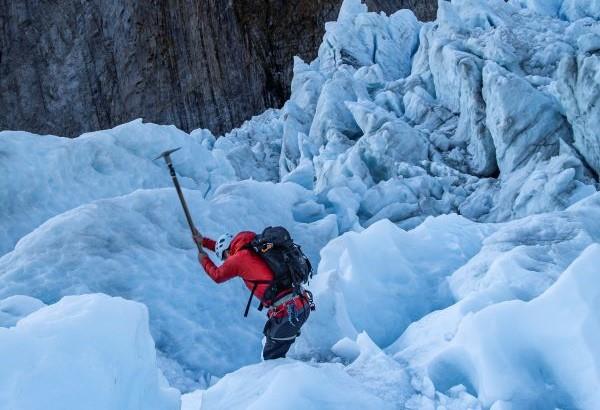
column 240, row 241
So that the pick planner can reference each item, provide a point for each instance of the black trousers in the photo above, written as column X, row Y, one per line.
column 282, row 332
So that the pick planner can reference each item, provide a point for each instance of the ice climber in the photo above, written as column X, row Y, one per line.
column 274, row 269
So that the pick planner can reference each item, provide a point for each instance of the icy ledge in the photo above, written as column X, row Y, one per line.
column 84, row 352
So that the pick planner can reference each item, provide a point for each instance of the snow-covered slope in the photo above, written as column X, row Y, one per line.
column 45, row 176
column 138, row 246
column 443, row 176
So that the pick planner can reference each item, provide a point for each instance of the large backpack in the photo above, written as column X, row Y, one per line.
column 291, row 268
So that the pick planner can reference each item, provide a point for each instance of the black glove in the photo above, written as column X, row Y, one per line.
column 197, row 237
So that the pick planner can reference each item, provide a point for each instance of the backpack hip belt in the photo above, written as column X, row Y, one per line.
column 282, row 307
column 285, row 298
column 295, row 303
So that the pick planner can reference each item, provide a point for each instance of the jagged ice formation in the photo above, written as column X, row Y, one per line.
column 442, row 175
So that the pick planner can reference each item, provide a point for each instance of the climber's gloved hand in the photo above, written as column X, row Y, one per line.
column 197, row 237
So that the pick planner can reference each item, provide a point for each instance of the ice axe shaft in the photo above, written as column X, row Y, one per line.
column 167, row 157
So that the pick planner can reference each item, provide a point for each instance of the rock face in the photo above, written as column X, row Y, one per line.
column 70, row 67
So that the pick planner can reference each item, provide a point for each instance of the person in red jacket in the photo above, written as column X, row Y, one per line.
column 287, row 312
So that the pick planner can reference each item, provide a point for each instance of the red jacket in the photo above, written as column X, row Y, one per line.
column 241, row 262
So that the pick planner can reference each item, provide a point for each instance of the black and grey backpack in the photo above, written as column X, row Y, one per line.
column 291, row 268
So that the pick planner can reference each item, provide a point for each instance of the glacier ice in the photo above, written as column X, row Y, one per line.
column 578, row 88
column 252, row 149
column 91, row 351
column 388, row 270
column 524, row 257
column 443, row 176
column 565, row 9
column 523, row 130
column 545, row 350
column 15, row 308
column 45, row 176
column 290, row 384
column 360, row 39
column 142, row 251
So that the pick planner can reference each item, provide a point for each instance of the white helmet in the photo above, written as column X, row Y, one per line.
column 223, row 244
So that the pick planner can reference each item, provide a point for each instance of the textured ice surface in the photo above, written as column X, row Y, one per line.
column 373, row 381
column 253, row 149
column 564, row 9
column 578, row 89
column 385, row 271
column 518, row 260
column 142, row 250
column 84, row 352
column 525, row 256
column 14, row 308
column 287, row 383
column 540, row 354
column 494, row 91
column 361, row 39
column 444, row 174
column 45, row 176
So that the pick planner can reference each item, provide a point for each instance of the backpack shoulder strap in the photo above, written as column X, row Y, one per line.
column 256, row 283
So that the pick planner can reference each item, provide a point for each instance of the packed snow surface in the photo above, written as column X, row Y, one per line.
column 442, row 177
column 546, row 349
column 15, row 308
column 287, row 383
column 84, row 352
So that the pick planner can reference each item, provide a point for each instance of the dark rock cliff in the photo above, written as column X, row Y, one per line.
column 68, row 67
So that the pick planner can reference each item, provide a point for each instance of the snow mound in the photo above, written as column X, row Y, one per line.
column 524, row 257
column 49, row 175
column 84, row 352
column 372, row 380
column 538, row 354
column 14, row 308
column 287, row 384
column 379, row 373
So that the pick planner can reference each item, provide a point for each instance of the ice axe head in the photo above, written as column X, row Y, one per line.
column 167, row 155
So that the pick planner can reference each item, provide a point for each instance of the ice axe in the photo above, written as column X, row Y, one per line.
column 167, row 157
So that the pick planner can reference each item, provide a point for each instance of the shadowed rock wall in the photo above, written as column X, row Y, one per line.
column 67, row 67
